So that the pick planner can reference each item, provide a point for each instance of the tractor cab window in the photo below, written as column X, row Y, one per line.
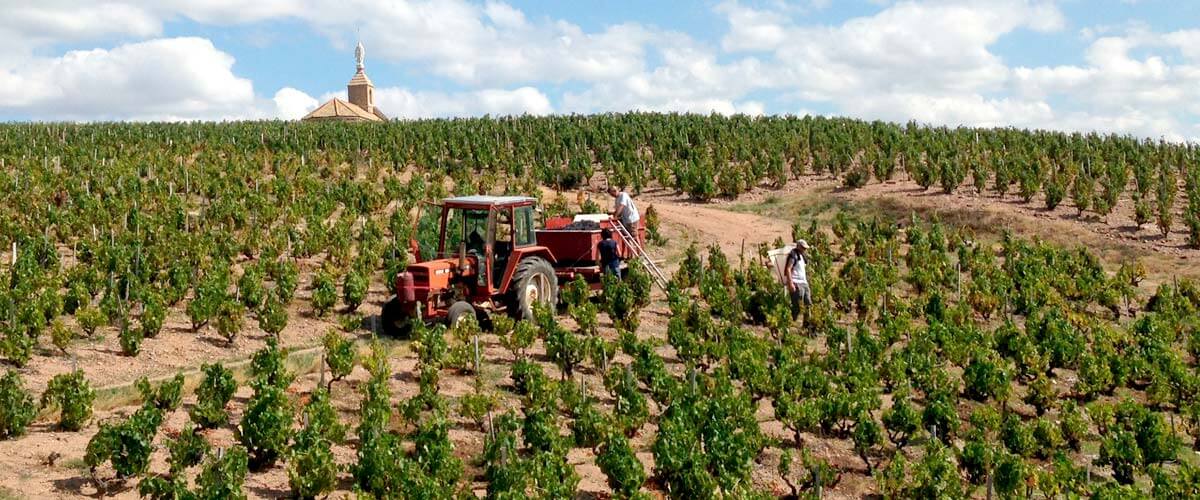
column 503, row 231
column 466, row 226
column 523, row 226
column 503, row 246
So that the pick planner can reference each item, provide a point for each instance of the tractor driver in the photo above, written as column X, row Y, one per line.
column 475, row 246
column 475, row 242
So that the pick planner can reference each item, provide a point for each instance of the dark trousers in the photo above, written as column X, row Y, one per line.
column 802, row 295
column 613, row 268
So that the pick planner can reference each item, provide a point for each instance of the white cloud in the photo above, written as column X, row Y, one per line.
column 292, row 104
column 403, row 103
column 933, row 61
column 751, row 29
column 504, row 15
column 174, row 78
column 1116, row 91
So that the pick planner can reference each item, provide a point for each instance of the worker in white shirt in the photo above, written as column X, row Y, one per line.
column 623, row 208
column 796, row 271
column 625, row 211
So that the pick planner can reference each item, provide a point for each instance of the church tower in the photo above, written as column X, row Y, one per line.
column 361, row 92
column 360, row 89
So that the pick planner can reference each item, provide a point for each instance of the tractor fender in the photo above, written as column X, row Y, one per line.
column 517, row 256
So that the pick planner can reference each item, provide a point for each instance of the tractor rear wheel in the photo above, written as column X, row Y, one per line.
column 395, row 321
column 459, row 311
column 533, row 282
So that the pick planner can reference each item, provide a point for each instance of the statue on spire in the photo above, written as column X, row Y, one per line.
column 359, row 54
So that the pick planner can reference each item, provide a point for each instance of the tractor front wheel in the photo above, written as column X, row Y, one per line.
column 395, row 320
column 533, row 282
column 459, row 311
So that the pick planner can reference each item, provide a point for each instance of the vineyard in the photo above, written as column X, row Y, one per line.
column 934, row 362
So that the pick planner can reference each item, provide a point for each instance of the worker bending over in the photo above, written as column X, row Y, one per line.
column 623, row 209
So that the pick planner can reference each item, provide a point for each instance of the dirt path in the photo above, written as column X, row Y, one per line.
column 731, row 230
column 1115, row 239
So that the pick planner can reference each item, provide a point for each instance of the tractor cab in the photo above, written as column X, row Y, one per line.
column 480, row 233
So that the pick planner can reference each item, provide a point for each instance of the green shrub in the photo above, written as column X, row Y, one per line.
column 867, row 437
column 620, row 465
column 272, row 316
column 936, row 475
column 74, row 396
column 230, row 316
column 324, row 293
column 18, row 345
column 213, row 393
column 127, row 444
column 251, row 290
column 60, row 335
column 553, row 475
column 130, row 339
column 153, row 315
column 266, row 428
column 985, row 378
column 167, row 396
column 339, row 355
column 223, row 475
column 1010, row 474
column 89, row 319
column 322, row 417
column 287, row 279
column 1017, row 436
column 1119, row 450
column 630, row 408
column 902, row 421
column 563, row 347
column 519, row 338
column 640, row 282
column 268, row 366
column 209, row 296
column 354, row 289
column 312, row 470
column 16, row 406
column 186, row 450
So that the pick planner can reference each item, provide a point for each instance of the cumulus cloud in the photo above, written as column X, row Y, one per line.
column 174, row 78
column 402, row 103
column 933, row 62
column 292, row 104
column 1116, row 91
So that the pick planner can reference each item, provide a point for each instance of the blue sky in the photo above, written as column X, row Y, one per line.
column 1124, row 66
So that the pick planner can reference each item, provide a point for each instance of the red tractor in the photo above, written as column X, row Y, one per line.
column 491, row 259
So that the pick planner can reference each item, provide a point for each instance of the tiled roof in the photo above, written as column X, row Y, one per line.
column 337, row 109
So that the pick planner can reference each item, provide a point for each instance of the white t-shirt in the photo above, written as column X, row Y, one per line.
column 799, row 271
column 630, row 214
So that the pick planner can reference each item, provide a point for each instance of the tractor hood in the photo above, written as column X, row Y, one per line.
column 431, row 277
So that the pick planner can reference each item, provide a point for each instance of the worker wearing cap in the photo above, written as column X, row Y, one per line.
column 796, row 271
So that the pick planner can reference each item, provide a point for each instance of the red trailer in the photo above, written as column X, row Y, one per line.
column 577, row 251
